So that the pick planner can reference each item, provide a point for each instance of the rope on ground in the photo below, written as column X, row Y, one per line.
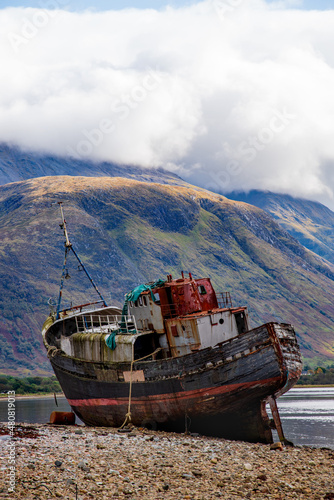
column 128, row 414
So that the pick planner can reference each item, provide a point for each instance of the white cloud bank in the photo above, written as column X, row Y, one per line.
column 230, row 94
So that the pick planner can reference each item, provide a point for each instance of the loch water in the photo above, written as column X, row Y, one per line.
column 307, row 414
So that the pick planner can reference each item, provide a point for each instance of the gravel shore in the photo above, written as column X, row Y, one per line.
column 86, row 463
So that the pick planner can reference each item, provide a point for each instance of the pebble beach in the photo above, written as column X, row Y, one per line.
column 84, row 463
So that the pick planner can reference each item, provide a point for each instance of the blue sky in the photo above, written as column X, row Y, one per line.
column 157, row 4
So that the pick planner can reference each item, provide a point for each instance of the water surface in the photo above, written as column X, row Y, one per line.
column 307, row 416
column 34, row 410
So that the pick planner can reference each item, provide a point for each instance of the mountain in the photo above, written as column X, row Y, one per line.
column 129, row 232
column 17, row 165
column 310, row 222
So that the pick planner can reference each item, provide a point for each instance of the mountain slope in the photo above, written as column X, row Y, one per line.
column 129, row 232
column 17, row 165
column 310, row 222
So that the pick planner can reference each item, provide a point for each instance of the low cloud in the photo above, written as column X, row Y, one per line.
column 230, row 94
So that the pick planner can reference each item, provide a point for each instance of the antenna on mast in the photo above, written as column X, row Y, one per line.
column 68, row 248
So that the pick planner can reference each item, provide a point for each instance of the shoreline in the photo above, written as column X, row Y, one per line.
column 102, row 463
column 34, row 396
column 309, row 386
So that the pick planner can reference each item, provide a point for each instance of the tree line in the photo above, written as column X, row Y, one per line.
column 29, row 385
column 317, row 376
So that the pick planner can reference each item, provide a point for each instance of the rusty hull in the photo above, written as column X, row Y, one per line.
column 217, row 391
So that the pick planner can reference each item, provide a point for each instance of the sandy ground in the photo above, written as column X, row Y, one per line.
column 85, row 463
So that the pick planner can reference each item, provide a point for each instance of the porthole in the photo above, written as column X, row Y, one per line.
column 221, row 321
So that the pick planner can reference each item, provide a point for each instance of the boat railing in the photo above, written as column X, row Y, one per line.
column 96, row 323
column 169, row 311
column 224, row 300
column 71, row 310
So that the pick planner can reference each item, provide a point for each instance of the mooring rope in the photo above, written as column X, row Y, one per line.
column 128, row 414
column 52, row 351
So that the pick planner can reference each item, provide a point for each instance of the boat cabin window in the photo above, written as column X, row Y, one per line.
column 240, row 319
column 201, row 289
column 156, row 298
column 141, row 302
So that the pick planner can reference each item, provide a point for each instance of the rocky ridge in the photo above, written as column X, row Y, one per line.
column 310, row 222
column 18, row 165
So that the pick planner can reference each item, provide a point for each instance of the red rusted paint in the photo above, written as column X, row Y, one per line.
column 216, row 310
column 186, row 296
column 189, row 396
column 62, row 418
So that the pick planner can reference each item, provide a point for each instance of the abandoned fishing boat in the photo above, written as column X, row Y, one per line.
column 177, row 357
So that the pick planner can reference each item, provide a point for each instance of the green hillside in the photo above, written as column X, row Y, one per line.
column 310, row 222
column 128, row 232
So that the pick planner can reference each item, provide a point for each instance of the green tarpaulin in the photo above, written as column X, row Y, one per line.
column 131, row 297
